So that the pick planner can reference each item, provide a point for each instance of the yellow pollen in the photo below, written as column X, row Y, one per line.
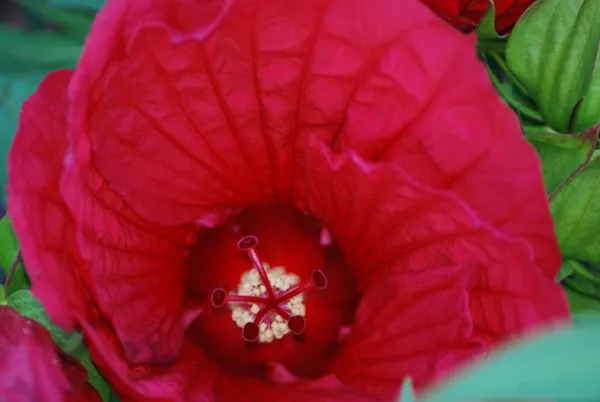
column 272, row 326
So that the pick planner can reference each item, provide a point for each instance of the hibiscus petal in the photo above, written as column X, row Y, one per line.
column 31, row 370
column 120, row 245
column 194, row 378
column 231, row 110
column 60, row 278
column 482, row 135
column 39, row 216
column 190, row 378
column 326, row 389
column 414, row 324
column 77, row 375
column 136, row 266
column 215, row 118
column 441, row 284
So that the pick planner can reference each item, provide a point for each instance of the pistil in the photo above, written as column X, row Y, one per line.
column 269, row 298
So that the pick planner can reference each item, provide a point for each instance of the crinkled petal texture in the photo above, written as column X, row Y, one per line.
column 42, row 222
column 442, row 286
column 467, row 14
column 72, row 291
column 30, row 368
column 376, row 117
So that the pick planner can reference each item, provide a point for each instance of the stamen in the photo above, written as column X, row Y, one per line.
column 219, row 298
column 268, row 305
column 248, row 244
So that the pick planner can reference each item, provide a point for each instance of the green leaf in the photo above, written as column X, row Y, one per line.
column 87, row 4
column 24, row 52
column 95, row 379
column 558, row 366
column 536, row 129
column 2, row 296
column 113, row 398
column 510, row 89
column 24, row 302
column 29, row 307
column 9, row 246
column 588, row 113
column 567, row 268
column 579, row 303
column 563, row 155
column 14, row 89
column 73, row 24
column 583, row 290
column 576, row 213
column 552, row 51
column 18, row 279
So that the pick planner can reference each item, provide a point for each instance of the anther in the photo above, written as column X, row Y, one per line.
column 268, row 300
column 250, row 332
column 296, row 324
column 218, row 297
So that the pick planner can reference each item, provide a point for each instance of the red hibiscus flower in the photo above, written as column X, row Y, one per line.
column 33, row 369
column 280, row 200
column 467, row 14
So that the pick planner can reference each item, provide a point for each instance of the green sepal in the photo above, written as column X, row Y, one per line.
column 576, row 212
column 563, row 156
column 488, row 39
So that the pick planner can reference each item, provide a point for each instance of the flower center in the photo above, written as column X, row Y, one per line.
column 268, row 303
column 265, row 303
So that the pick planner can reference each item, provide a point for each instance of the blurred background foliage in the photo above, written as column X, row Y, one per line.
column 36, row 36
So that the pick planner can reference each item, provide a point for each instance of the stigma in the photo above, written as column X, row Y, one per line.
column 268, row 303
